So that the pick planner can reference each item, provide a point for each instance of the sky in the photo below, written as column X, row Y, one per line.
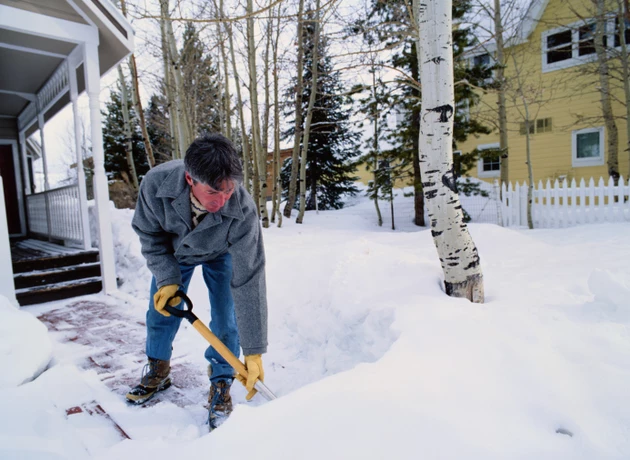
column 368, row 356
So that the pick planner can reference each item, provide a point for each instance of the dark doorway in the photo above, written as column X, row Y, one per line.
column 7, row 171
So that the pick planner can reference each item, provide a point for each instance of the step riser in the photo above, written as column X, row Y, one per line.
column 41, row 279
column 32, row 298
column 25, row 266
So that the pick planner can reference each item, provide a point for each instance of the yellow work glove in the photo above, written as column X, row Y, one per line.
column 162, row 295
column 255, row 371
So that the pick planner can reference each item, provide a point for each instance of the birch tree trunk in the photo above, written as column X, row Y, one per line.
column 239, row 100
column 625, row 62
column 604, row 83
column 184, row 128
column 309, row 116
column 127, row 127
column 227, row 97
column 375, row 144
column 520, row 89
column 260, row 156
column 500, row 79
column 170, row 98
column 456, row 249
column 267, row 112
column 276, row 195
column 298, row 114
column 137, row 102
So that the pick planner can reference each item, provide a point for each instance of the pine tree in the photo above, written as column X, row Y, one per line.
column 333, row 146
column 114, row 140
column 201, row 100
column 202, row 96
column 156, row 115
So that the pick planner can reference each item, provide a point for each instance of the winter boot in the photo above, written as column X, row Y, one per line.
column 219, row 402
column 156, row 379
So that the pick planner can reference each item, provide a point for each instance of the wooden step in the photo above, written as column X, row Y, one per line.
column 57, row 275
column 55, row 261
column 59, row 291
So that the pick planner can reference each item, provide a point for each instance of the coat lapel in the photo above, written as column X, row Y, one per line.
column 175, row 186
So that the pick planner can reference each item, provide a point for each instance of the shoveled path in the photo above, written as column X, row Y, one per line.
column 111, row 341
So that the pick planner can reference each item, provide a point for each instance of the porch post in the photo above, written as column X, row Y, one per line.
column 7, row 287
column 101, row 191
column 27, row 176
column 40, row 123
column 83, row 209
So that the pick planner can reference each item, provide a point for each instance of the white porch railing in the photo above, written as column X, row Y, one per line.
column 56, row 214
column 567, row 204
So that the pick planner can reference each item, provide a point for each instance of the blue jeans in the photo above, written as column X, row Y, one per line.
column 161, row 330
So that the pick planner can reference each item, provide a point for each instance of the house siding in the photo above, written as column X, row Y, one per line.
column 569, row 96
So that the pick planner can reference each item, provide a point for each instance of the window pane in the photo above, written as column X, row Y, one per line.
column 588, row 145
column 559, row 39
column 559, row 54
column 483, row 60
column 491, row 165
column 618, row 32
column 586, row 43
column 543, row 125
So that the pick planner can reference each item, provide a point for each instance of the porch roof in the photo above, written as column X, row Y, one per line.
column 38, row 36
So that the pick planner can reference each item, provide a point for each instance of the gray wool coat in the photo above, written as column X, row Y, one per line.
column 163, row 221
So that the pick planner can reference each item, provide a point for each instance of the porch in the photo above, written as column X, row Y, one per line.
column 45, row 271
column 52, row 51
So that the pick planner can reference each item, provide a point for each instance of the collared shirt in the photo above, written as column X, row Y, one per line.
column 198, row 211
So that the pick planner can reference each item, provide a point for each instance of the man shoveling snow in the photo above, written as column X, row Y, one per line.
column 197, row 212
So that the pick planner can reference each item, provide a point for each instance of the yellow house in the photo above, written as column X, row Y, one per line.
column 554, row 61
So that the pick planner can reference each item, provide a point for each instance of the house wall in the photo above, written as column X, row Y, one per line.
column 569, row 96
column 8, row 128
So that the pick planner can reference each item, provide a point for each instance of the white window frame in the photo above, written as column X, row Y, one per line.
column 470, row 57
column 487, row 174
column 581, row 162
column 575, row 59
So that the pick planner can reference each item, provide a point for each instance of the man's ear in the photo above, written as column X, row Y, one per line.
column 188, row 178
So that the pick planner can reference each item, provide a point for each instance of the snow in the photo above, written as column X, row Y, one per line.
column 25, row 348
column 370, row 359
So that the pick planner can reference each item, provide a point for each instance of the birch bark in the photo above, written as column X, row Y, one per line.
column 276, row 196
column 456, row 249
column 309, row 115
column 604, row 83
column 170, row 100
column 137, row 102
column 298, row 114
column 127, row 127
column 259, row 156
column 184, row 129
column 500, row 80
column 227, row 98
column 239, row 100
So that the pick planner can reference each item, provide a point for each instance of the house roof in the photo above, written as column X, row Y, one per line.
column 531, row 19
column 38, row 36
column 524, row 17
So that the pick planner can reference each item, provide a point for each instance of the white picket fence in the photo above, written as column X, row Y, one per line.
column 564, row 204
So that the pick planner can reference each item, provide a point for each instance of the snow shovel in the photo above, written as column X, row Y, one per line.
column 214, row 341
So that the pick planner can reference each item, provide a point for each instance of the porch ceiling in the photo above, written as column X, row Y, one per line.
column 53, row 8
column 25, row 72
column 11, row 105
column 27, row 60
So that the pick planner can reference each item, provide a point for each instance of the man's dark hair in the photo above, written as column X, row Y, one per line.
column 212, row 159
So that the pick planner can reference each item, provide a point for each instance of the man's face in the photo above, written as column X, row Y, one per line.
column 211, row 199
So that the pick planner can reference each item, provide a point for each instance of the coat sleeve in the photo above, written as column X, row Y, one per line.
column 157, row 246
column 248, row 280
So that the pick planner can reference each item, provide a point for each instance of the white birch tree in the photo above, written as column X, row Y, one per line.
column 259, row 155
column 456, row 249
